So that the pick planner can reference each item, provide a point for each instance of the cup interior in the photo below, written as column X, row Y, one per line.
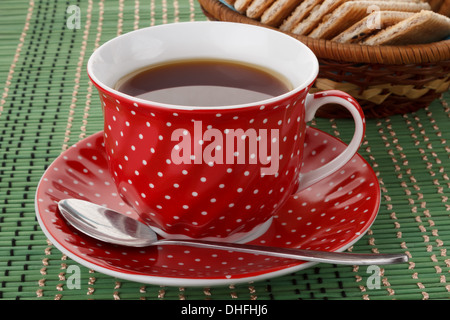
column 244, row 43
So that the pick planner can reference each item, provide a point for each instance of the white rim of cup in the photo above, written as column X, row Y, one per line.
column 143, row 102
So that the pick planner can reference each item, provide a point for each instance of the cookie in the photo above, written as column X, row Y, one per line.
column 423, row 27
column 278, row 11
column 351, row 12
column 370, row 25
column 257, row 8
column 242, row 5
column 300, row 13
column 317, row 13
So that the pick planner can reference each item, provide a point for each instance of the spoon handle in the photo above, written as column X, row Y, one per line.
column 297, row 254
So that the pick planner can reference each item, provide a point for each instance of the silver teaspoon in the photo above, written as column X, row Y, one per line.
column 113, row 227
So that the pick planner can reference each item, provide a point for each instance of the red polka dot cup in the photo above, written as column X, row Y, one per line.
column 216, row 173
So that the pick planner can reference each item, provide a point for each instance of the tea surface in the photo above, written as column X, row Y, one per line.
column 206, row 83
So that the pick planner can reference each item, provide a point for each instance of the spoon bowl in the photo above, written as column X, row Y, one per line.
column 105, row 224
column 113, row 227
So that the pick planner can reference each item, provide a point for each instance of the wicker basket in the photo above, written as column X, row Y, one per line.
column 386, row 80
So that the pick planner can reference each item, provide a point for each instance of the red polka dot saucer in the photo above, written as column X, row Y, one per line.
column 331, row 215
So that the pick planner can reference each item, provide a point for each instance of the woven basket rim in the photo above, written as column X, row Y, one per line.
column 355, row 53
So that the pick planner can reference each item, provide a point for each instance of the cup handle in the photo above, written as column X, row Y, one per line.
column 314, row 102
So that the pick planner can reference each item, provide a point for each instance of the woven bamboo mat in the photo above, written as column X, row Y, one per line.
column 48, row 104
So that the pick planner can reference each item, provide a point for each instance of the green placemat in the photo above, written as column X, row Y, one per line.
column 48, row 104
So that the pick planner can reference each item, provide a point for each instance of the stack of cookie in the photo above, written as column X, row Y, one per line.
column 379, row 22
